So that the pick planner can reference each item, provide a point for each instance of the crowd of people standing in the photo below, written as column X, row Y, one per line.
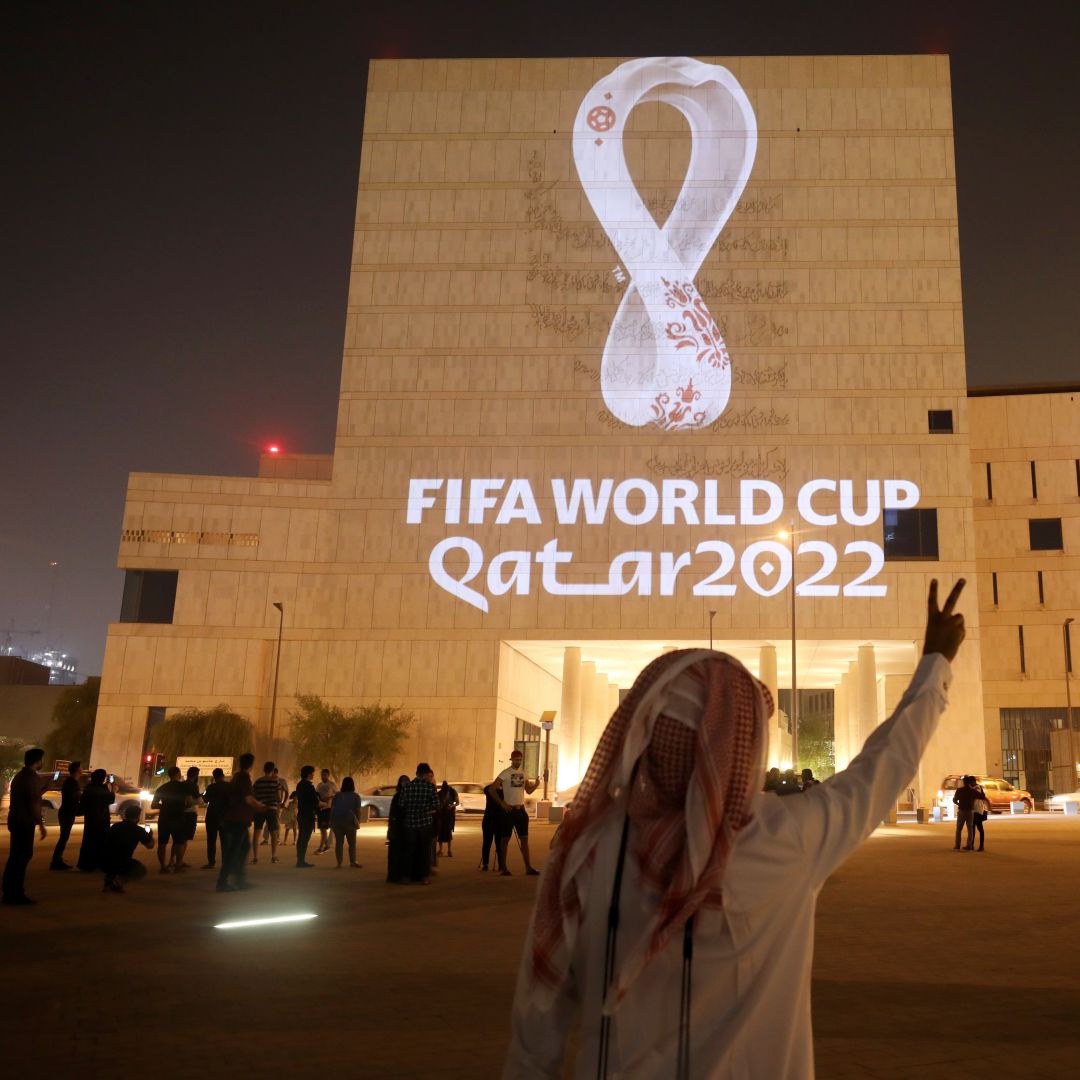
column 243, row 813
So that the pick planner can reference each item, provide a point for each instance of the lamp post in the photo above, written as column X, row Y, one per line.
column 788, row 534
column 277, row 667
column 712, row 615
column 1068, row 669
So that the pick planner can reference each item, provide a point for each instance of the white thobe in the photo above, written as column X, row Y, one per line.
column 750, row 1003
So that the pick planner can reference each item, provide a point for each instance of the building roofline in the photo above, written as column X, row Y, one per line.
column 1024, row 388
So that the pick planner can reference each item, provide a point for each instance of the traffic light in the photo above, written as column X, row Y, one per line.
column 148, row 760
column 159, row 767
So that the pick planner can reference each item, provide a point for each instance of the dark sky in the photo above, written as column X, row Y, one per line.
column 179, row 183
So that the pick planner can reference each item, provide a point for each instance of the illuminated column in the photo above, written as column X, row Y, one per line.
column 841, row 751
column 569, row 721
column 612, row 699
column 867, row 692
column 851, row 711
column 588, row 738
column 598, row 697
column 767, row 674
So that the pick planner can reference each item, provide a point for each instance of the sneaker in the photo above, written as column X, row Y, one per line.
column 357, row 866
column 505, row 873
column 305, row 865
column 255, row 861
column 532, row 873
column 163, row 869
column 225, row 888
column 273, row 858
column 210, row 866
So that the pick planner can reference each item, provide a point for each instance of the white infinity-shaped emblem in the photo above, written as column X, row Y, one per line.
column 665, row 362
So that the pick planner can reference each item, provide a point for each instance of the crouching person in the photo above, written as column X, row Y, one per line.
column 120, row 844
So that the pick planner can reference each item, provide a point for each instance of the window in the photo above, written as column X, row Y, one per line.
column 1068, row 648
column 1034, row 482
column 993, row 582
column 989, row 482
column 149, row 596
column 1042, row 594
column 1077, row 464
column 1025, row 747
column 940, row 421
column 1045, row 534
column 911, row 534
column 1020, row 640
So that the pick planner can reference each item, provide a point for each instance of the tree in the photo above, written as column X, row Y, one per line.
column 347, row 741
column 216, row 732
column 11, row 756
column 73, row 723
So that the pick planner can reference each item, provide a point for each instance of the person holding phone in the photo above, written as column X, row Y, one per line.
column 24, row 816
column 96, row 802
column 70, row 794
column 124, row 837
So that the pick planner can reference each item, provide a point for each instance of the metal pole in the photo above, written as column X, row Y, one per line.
column 794, row 678
column 277, row 668
column 547, row 759
column 1068, row 668
column 712, row 615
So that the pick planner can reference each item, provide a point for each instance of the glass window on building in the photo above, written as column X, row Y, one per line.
column 527, row 739
column 910, row 534
column 1045, row 534
column 1025, row 747
column 941, row 421
column 149, row 596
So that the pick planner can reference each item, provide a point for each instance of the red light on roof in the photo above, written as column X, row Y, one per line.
column 275, row 449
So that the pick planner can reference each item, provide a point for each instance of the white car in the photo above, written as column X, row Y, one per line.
column 471, row 797
column 1057, row 802
column 379, row 799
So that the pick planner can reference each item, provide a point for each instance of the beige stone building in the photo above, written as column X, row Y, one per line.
column 1025, row 454
column 497, row 533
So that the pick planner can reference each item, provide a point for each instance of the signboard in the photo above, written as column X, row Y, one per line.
column 61, row 765
column 665, row 369
column 206, row 764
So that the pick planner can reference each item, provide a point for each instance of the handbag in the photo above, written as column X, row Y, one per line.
column 981, row 806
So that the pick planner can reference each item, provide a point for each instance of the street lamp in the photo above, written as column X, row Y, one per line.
column 1068, row 669
column 788, row 534
column 277, row 667
column 547, row 722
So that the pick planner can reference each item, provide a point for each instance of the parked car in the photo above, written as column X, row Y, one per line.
column 125, row 793
column 999, row 793
column 471, row 797
column 379, row 799
column 1057, row 802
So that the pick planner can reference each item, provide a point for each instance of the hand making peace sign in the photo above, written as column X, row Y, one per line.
column 944, row 630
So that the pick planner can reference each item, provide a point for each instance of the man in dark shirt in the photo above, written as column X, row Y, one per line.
column 240, row 808
column 120, row 846
column 267, row 790
column 964, row 800
column 214, row 796
column 307, row 809
column 419, row 801
column 69, row 810
column 170, row 800
column 24, row 816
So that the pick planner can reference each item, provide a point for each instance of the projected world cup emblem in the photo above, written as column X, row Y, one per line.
column 665, row 362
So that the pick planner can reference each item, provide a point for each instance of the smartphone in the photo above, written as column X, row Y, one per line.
column 56, row 775
column 112, row 778
column 147, row 828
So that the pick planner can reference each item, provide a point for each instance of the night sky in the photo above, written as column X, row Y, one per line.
column 179, row 183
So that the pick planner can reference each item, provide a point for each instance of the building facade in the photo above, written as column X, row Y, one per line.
column 1025, row 454
column 632, row 349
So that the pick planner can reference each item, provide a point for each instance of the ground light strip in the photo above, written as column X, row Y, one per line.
column 303, row 917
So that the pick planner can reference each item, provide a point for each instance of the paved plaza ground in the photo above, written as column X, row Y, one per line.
column 929, row 963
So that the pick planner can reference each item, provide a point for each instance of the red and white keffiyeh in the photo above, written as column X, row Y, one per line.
column 694, row 724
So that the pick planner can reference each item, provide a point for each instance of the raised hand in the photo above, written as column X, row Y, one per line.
column 944, row 630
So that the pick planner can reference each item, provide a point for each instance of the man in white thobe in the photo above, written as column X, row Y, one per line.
column 748, row 1003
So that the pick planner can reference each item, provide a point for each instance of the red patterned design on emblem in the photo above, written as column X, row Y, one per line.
column 678, row 415
column 698, row 331
column 601, row 118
